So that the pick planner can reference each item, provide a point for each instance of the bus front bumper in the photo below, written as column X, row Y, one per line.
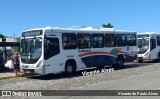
column 143, row 58
column 34, row 71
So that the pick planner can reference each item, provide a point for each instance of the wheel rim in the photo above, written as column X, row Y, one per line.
column 69, row 69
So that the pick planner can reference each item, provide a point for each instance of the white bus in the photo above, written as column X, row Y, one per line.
column 56, row 50
column 148, row 46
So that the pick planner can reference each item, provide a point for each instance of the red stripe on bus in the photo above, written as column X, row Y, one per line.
column 91, row 53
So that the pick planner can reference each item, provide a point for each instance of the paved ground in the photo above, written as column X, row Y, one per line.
column 146, row 81
column 6, row 74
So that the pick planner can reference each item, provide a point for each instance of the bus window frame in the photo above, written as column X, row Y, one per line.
column 70, row 47
column 133, row 43
column 114, row 39
column 125, row 42
column 83, row 43
column 93, row 40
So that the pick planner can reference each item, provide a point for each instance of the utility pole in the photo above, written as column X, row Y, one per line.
column 14, row 38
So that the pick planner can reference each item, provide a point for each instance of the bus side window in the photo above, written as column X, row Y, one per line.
column 69, row 41
column 110, row 40
column 84, row 41
column 158, row 40
column 121, row 40
column 51, row 47
column 98, row 40
column 131, row 40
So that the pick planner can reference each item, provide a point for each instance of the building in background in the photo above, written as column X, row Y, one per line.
column 5, row 51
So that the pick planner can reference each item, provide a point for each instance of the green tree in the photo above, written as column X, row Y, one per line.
column 3, row 37
column 109, row 25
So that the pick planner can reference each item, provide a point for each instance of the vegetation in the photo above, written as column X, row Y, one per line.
column 1, row 35
column 109, row 25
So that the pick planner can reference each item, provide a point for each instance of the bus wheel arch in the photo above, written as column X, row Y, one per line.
column 70, row 67
column 119, row 62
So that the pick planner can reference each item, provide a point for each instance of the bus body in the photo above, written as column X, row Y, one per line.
column 148, row 46
column 56, row 50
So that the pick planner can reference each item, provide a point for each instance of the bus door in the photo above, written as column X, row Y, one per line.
column 153, row 50
column 51, row 51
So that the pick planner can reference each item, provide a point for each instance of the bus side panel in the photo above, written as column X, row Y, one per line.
column 97, row 57
column 131, row 54
column 97, row 60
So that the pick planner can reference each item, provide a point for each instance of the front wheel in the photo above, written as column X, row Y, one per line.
column 70, row 68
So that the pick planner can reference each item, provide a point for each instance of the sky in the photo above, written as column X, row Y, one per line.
column 17, row 16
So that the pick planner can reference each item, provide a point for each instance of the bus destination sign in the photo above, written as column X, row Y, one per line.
column 32, row 33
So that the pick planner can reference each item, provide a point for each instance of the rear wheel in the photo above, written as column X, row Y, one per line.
column 119, row 62
column 70, row 68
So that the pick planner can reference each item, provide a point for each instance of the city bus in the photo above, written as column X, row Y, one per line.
column 148, row 46
column 55, row 50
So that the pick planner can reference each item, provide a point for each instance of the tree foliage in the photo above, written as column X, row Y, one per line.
column 109, row 25
column 1, row 35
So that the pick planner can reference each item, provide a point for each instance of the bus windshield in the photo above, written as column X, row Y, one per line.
column 31, row 50
column 143, row 45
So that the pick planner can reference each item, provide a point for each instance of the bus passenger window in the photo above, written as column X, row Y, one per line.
column 51, row 47
column 131, row 40
column 98, row 40
column 121, row 40
column 69, row 41
column 158, row 40
column 84, row 41
column 110, row 40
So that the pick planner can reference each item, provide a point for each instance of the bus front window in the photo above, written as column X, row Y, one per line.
column 31, row 50
column 143, row 45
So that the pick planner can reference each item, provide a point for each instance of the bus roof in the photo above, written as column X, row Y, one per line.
column 89, row 29
column 148, row 33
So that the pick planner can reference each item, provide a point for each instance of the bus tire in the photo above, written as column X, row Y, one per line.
column 140, row 61
column 70, row 68
column 119, row 62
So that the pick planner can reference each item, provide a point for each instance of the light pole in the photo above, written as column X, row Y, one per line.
column 13, row 49
column 14, row 38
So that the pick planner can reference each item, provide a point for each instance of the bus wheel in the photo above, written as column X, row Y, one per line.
column 70, row 68
column 140, row 61
column 119, row 62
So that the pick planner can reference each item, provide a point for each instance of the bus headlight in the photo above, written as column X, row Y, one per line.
column 146, row 54
column 39, row 64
